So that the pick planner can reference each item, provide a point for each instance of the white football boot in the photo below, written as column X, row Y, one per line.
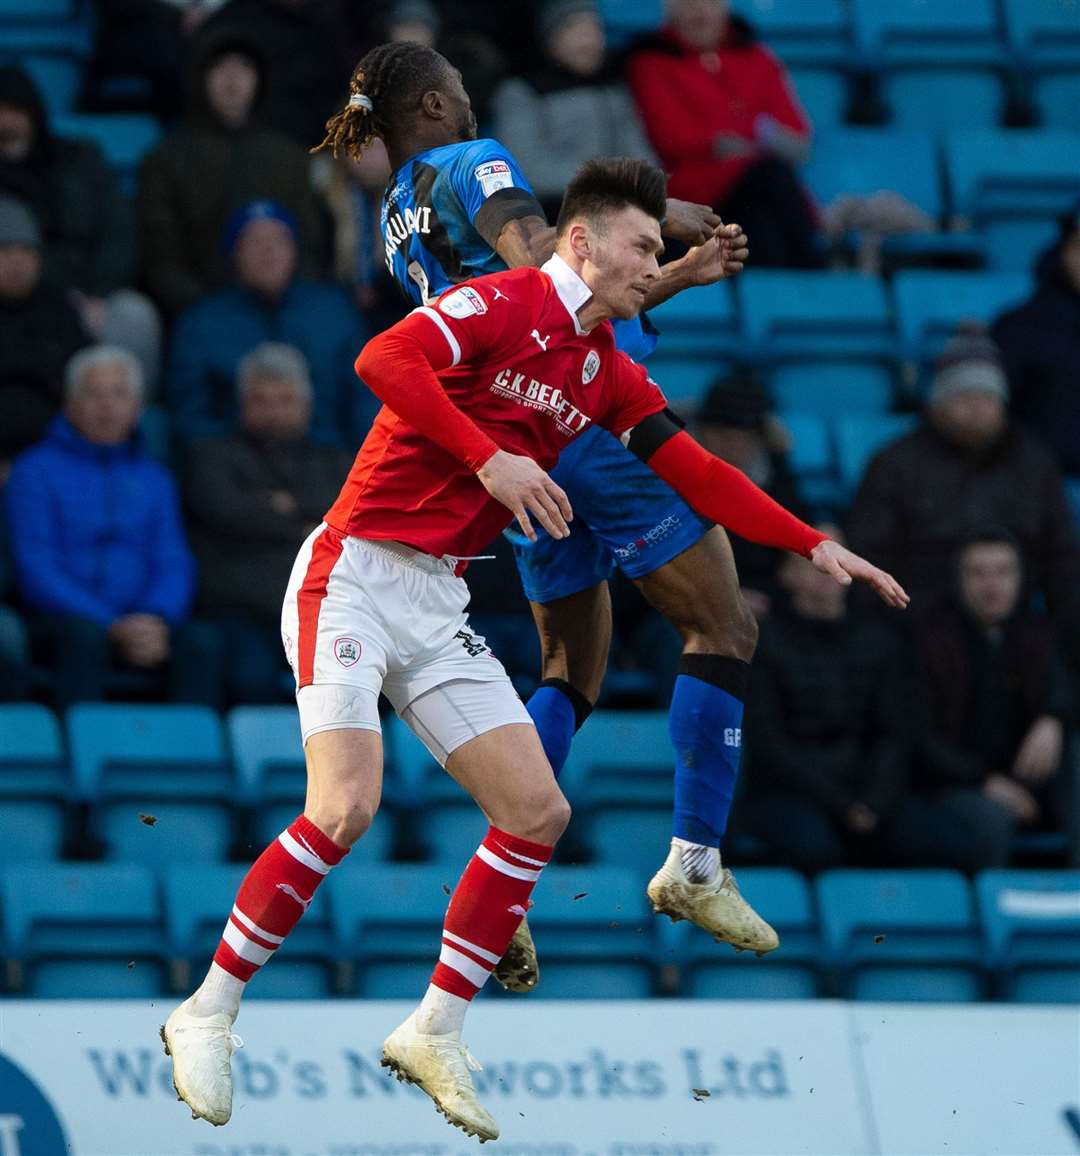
column 440, row 1066
column 715, row 906
column 201, row 1048
column 519, row 969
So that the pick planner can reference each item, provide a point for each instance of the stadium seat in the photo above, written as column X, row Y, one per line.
column 832, row 388
column 1015, row 246
column 622, row 836
column 124, row 138
column 944, row 99
column 801, row 31
column 863, row 161
column 159, row 779
column 592, row 928
column 1031, row 920
column 272, row 777
column 1043, row 32
column 716, row 971
column 34, row 784
column 812, row 457
column 860, row 436
column 999, row 173
column 916, row 31
column 38, row 10
column 91, row 930
column 387, row 917
column 823, row 93
column 1057, row 96
column 156, row 428
column 685, row 380
column 198, row 899
column 699, row 323
column 796, row 315
column 621, row 756
column 625, row 20
column 58, row 77
column 917, row 926
column 930, row 305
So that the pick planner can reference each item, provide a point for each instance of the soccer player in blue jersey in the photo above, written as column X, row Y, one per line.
column 457, row 207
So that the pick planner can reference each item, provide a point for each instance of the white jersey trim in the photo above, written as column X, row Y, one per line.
column 451, row 340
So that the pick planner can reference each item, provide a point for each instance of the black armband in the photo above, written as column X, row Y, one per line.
column 651, row 433
column 501, row 208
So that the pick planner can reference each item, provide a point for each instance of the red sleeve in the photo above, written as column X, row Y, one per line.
column 399, row 367
column 631, row 395
column 727, row 496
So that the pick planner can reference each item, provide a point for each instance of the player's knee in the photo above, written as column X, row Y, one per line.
column 546, row 822
column 346, row 819
column 734, row 634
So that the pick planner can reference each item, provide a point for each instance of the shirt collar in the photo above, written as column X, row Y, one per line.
column 572, row 291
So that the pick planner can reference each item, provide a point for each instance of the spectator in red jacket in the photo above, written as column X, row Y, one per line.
column 723, row 116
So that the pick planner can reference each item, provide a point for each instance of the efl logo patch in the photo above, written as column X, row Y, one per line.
column 463, row 302
column 591, row 367
column 493, row 176
column 347, row 651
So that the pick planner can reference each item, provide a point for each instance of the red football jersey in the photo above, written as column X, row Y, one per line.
column 510, row 354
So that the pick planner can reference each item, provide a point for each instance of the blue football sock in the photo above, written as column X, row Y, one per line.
column 706, row 731
column 558, row 710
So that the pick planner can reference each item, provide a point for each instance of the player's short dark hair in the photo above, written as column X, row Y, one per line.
column 392, row 77
column 612, row 183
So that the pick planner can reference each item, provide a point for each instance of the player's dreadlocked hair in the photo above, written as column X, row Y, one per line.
column 613, row 183
column 385, row 88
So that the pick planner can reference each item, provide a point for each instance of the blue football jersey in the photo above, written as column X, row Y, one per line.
column 442, row 214
column 443, row 211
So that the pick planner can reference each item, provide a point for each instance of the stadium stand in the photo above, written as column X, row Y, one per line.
column 34, row 784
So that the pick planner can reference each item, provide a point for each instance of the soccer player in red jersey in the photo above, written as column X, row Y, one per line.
column 481, row 391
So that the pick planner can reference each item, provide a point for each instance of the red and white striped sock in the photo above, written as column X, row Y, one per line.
column 274, row 894
column 488, row 903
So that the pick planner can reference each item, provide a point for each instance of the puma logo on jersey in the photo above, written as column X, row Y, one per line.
column 533, row 394
column 541, row 341
column 499, row 294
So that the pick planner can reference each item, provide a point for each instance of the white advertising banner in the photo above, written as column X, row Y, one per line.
column 655, row 1078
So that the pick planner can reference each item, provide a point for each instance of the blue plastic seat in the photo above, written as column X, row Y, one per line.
column 272, row 776
column 198, row 899
column 700, row 323
column 1014, row 246
column 860, row 436
column 1043, row 32
column 716, row 971
column 58, row 77
column 685, row 380
column 1006, row 173
column 832, row 388
column 802, row 31
column 1031, row 920
column 625, row 20
column 592, row 928
column 124, row 138
column 789, row 315
column 812, row 456
column 823, row 94
column 84, row 931
column 944, row 99
column 930, row 304
column 167, row 763
column 1057, row 96
column 39, row 10
column 901, row 920
column 621, row 756
column 636, row 837
column 34, row 784
column 916, row 31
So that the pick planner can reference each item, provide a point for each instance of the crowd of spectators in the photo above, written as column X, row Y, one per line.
column 232, row 292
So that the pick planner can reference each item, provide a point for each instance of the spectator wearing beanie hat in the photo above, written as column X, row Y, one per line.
column 966, row 466
column 39, row 331
column 267, row 300
column 1040, row 342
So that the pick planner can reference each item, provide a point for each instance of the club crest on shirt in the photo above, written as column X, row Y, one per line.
column 463, row 302
column 347, row 651
column 494, row 175
column 591, row 367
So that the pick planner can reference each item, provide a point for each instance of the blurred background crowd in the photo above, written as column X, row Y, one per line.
column 183, row 290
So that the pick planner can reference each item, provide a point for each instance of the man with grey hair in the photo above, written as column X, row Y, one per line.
column 968, row 465
column 101, row 560
column 252, row 499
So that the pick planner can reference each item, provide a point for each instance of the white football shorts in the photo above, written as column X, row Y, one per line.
column 364, row 617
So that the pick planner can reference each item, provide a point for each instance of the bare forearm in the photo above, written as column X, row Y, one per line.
column 528, row 241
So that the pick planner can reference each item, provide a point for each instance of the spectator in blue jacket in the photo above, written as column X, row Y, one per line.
column 267, row 301
column 101, row 559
